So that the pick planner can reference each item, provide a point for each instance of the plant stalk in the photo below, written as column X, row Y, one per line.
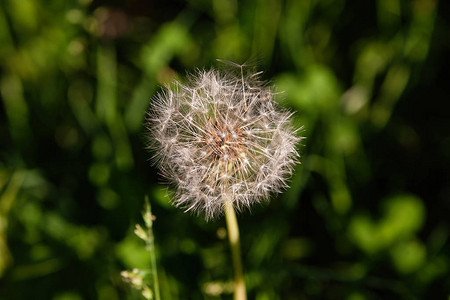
column 151, row 247
column 233, row 237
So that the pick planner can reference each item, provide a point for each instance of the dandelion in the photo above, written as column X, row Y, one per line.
column 220, row 139
column 224, row 144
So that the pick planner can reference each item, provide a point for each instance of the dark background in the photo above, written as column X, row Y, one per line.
column 367, row 214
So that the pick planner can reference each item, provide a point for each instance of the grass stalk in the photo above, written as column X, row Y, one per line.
column 148, row 218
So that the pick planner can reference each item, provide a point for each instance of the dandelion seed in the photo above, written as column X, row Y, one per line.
column 221, row 137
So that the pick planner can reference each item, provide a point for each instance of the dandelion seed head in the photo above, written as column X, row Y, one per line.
column 220, row 137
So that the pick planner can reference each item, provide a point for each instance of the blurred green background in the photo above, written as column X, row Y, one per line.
column 367, row 214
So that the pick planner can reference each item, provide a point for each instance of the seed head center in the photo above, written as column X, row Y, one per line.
column 225, row 142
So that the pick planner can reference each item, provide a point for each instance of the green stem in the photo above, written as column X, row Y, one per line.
column 155, row 275
column 151, row 247
column 233, row 236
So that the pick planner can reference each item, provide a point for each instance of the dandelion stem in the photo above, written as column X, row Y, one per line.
column 233, row 236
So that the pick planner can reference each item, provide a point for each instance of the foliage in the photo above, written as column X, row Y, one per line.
column 366, row 216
